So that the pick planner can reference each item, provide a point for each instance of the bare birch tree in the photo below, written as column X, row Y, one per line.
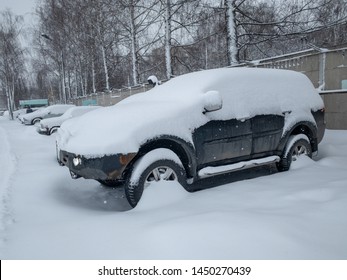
column 103, row 44
column 11, row 57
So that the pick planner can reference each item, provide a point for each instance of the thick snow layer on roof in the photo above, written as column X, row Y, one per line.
column 176, row 108
column 53, row 109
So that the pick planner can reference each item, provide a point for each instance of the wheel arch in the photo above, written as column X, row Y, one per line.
column 53, row 129
column 304, row 127
column 37, row 119
column 184, row 150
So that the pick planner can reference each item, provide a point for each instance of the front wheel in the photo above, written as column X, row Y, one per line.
column 53, row 130
column 297, row 146
column 153, row 167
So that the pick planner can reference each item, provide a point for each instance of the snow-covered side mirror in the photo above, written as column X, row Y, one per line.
column 212, row 101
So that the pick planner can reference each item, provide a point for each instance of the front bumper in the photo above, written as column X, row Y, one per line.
column 26, row 122
column 99, row 168
column 44, row 131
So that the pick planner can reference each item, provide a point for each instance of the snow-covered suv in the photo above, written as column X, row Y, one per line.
column 196, row 126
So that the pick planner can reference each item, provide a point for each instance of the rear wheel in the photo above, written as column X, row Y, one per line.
column 297, row 146
column 151, row 168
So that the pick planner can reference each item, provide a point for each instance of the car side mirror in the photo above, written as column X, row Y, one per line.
column 212, row 101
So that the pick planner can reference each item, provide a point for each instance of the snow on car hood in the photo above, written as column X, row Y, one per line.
column 56, row 121
column 70, row 113
column 176, row 108
column 122, row 128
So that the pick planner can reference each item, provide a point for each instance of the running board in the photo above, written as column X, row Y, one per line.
column 211, row 171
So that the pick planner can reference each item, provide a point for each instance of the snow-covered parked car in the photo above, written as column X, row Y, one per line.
column 196, row 126
column 18, row 112
column 44, row 113
column 15, row 113
column 51, row 125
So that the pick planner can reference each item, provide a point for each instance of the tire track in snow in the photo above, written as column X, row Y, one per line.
column 8, row 165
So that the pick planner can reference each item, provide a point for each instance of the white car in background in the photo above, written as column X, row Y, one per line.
column 44, row 113
column 49, row 126
column 15, row 113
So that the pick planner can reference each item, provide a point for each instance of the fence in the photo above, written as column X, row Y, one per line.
column 112, row 97
column 335, row 108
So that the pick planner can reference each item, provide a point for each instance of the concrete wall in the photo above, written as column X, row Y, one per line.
column 326, row 68
column 335, row 69
column 335, row 109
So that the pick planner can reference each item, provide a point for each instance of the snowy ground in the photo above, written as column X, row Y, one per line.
column 44, row 214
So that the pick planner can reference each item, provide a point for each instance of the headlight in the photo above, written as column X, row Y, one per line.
column 77, row 161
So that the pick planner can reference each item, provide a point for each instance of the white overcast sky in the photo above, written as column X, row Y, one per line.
column 19, row 7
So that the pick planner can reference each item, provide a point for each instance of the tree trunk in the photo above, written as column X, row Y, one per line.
column 232, row 50
column 93, row 77
column 63, row 86
column 133, row 43
column 107, row 85
column 168, row 39
column 9, row 100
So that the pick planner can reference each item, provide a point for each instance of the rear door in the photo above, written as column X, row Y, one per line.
column 267, row 132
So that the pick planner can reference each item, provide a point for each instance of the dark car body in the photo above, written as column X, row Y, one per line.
column 215, row 144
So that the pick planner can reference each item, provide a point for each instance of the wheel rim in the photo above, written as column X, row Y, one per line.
column 161, row 173
column 298, row 151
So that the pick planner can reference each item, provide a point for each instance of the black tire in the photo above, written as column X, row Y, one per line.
column 161, row 170
column 34, row 121
column 294, row 149
column 53, row 129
